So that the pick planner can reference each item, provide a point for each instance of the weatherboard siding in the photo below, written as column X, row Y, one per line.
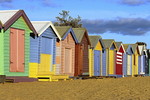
column 68, row 43
column 19, row 24
column 1, row 52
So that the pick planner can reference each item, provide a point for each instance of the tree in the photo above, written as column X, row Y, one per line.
column 66, row 20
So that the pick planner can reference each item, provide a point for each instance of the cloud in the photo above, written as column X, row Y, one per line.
column 134, row 2
column 5, row 1
column 49, row 3
column 124, row 26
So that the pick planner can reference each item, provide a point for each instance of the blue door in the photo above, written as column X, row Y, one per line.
column 46, row 45
column 96, row 63
column 104, row 63
column 139, row 64
column 124, row 64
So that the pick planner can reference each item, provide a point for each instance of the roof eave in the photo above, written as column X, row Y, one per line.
column 15, row 17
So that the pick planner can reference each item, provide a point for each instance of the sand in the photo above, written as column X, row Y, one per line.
column 137, row 88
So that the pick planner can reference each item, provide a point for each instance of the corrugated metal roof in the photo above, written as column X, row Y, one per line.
column 79, row 32
column 108, row 42
column 62, row 30
column 5, row 15
column 94, row 40
column 41, row 26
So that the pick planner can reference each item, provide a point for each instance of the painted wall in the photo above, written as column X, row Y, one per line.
column 61, row 58
column 19, row 24
column 43, row 51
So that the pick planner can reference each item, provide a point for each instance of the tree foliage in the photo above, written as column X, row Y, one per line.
column 66, row 20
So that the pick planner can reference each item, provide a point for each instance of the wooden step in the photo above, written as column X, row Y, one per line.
column 53, row 77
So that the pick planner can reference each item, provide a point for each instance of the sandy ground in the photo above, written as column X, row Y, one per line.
column 137, row 88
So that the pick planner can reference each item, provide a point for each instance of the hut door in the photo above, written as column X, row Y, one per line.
column 96, row 63
column 111, row 62
column 104, row 63
column 16, row 50
column 142, row 64
column 46, row 54
column 119, row 63
column 68, row 60
column 129, row 64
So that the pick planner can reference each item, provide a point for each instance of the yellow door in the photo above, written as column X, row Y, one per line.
column 91, row 62
column 45, row 63
column 111, row 62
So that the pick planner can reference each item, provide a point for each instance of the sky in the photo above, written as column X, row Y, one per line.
column 122, row 20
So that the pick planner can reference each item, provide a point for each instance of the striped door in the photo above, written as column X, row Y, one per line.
column 17, row 50
column 119, row 61
column 68, row 61
column 96, row 63
column 111, row 62
column 129, row 64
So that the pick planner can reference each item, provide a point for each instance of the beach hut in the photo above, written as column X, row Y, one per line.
column 81, row 52
column 95, row 56
column 135, row 59
column 127, row 67
column 148, row 62
column 111, row 48
column 120, row 59
column 43, row 50
column 15, row 44
column 65, row 51
column 141, row 62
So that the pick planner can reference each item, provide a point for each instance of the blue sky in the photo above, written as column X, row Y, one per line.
column 123, row 20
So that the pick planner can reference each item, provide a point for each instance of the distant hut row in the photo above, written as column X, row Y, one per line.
column 38, row 50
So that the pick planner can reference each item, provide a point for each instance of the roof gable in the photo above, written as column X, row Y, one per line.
column 41, row 26
column 134, row 47
column 120, row 47
column 8, row 17
column 63, row 31
column 94, row 40
column 80, row 33
column 128, row 48
column 108, row 43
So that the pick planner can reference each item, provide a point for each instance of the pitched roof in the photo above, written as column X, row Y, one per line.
column 94, row 40
column 41, row 26
column 134, row 47
column 126, row 46
column 63, row 31
column 80, row 32
column 108, row 42
column 8, row 17
column 118, row 44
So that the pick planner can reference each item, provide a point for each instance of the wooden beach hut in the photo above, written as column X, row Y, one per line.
column 120, row 59
column 148, row 62
column 135, row 59
column 81, row 52
column 43, row 51
column 127, row 67
column 15, row 44
column 95, row 56
column 65, row 51
column 111, row 49
column 141, row 60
